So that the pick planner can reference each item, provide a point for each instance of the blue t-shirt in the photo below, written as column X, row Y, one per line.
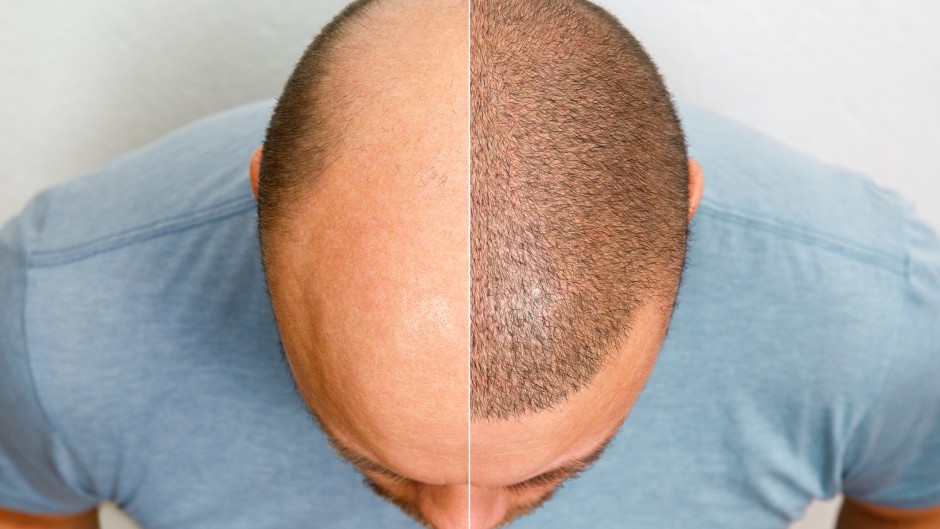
column 140, row 362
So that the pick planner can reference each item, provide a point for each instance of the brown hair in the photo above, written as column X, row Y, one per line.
column 298, row 136
column 579, row 197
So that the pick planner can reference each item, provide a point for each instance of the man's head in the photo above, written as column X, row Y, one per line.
column 521, row 271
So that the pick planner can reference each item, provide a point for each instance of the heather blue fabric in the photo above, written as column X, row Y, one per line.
column 140, row 363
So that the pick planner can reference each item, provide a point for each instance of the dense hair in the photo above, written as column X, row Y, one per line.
column 302, row 129
column 578, row 196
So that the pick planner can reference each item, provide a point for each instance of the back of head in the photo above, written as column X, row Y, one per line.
column 579, row 198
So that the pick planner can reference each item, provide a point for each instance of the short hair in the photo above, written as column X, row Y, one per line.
column 299, row 133
column 578, row 197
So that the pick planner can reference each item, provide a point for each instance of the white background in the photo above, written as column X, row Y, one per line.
column 853, row 82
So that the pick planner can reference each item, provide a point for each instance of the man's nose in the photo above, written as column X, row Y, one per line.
column 451, row 507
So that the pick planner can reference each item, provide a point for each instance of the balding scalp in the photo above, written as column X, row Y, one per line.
column 578, row 187
column 300, row 134
column 579, row 197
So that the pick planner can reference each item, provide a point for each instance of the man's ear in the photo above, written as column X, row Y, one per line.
column 695, row 186
column 254, row 170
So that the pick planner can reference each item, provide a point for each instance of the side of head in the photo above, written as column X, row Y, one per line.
column 579, row 211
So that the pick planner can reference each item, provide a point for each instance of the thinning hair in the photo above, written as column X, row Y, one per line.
column 578, row 196
column 305, row 124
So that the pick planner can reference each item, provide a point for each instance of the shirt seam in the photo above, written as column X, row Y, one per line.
column 160, row 228
column 55, row 434
column 851, row 249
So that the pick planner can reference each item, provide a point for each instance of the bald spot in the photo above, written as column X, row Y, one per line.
column 371, row 275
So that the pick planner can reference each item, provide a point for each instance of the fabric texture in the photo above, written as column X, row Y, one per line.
column 140, row 362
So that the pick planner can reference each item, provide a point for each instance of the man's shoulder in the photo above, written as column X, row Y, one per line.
column 140, row 264
column 195, row 173
column 138, row 311
column 754, row 180
column 159, row 247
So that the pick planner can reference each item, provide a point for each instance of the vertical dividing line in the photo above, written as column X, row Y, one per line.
column 469, row 271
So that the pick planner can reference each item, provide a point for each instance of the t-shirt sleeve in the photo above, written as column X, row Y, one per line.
column 893, row 456
column 38, row 473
